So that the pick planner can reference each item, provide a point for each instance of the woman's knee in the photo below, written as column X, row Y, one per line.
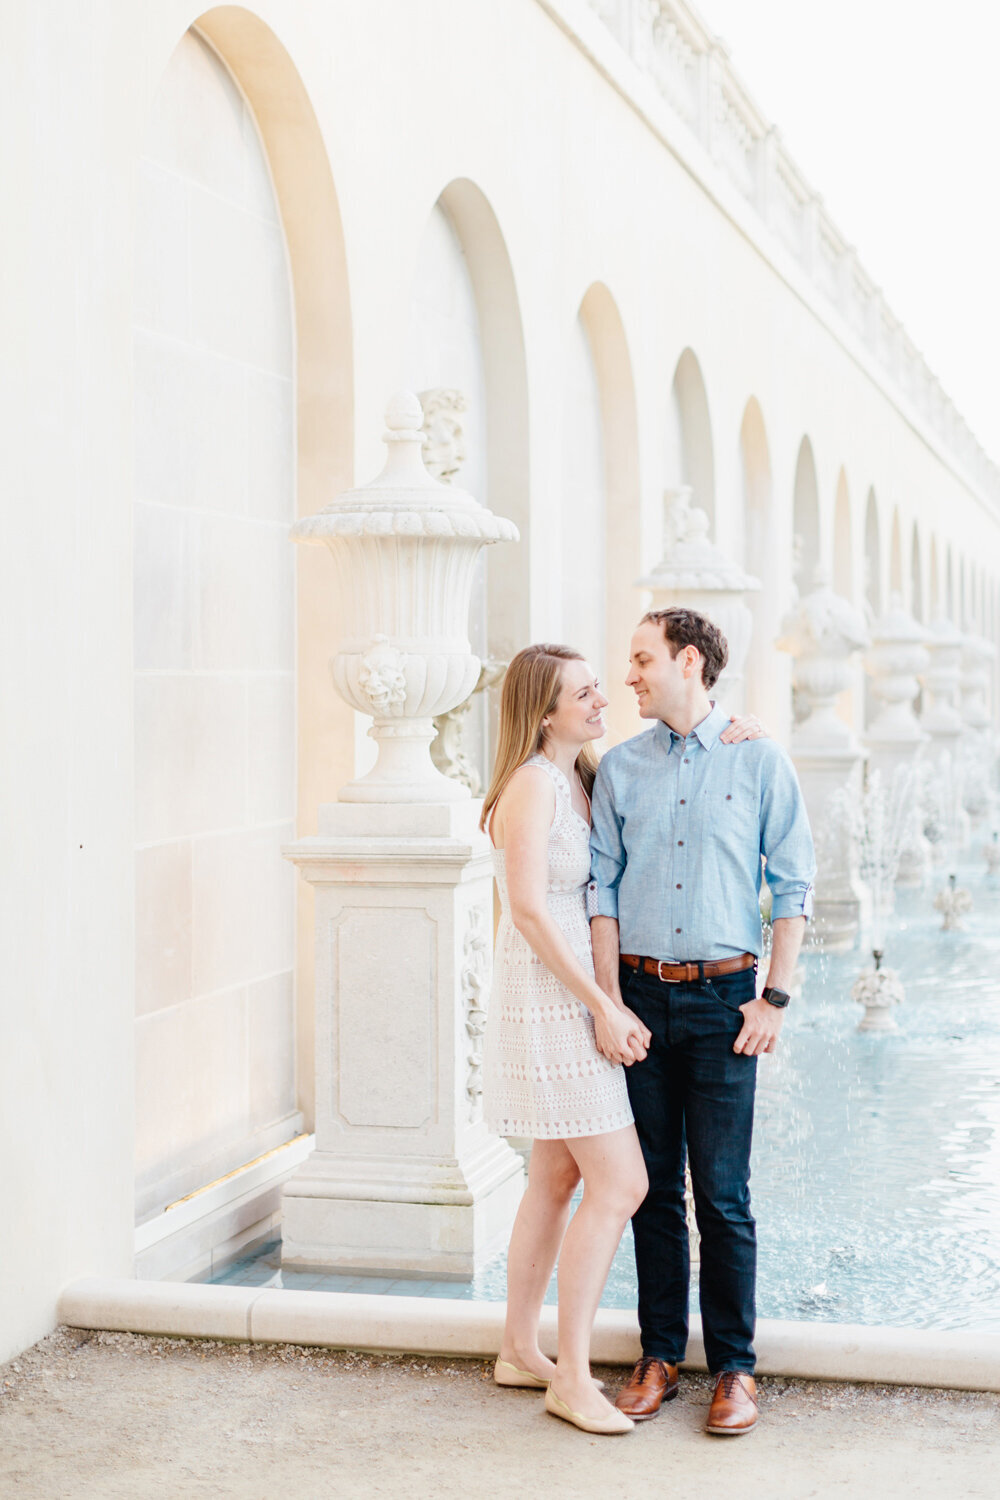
column 554, row 1174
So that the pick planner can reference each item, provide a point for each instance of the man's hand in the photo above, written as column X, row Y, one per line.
column 743, row 727
column 620, row 1036
column 761, row 1027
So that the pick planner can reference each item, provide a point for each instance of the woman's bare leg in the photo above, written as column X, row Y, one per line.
column 538, row 1232
column 614, row 1184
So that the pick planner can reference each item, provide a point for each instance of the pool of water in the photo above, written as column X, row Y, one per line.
column 876, row 1161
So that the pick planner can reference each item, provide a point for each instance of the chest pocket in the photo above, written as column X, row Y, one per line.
column 732, row 814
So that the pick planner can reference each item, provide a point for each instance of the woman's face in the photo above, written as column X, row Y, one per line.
column 579, row 712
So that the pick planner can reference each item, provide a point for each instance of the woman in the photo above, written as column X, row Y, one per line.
column 555, row 1043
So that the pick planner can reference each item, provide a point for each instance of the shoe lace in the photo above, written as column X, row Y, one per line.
column 729, row 1380
column 645, row 1367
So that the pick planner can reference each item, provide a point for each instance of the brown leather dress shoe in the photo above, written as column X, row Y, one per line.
column 734, row 1406
column 653, row 1382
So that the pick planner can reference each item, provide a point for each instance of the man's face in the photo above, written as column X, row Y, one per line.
column 659, row 680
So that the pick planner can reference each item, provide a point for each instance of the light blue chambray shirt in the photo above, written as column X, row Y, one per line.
column 679, row 827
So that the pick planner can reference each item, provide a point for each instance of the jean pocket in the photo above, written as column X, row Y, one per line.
column 732, row 1004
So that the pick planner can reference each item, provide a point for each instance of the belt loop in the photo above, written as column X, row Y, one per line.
column 701, row 972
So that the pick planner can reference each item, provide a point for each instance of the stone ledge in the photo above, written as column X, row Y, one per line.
column 437, row 1325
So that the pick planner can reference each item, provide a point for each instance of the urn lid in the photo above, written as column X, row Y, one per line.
column 404, row 499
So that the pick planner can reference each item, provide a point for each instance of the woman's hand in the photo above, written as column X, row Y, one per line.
column 743, row 727
column 620, row 1036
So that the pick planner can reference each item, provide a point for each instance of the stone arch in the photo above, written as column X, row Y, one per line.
column 933, row 582
column 508, row 569
column 950, row 591
column 601, row 322
column 843, row 549
column 767, row 670
column 690, row 455
column 805, row 516
column 273, row 420
column 897, row 576
column 917, row 597
column 873, row 556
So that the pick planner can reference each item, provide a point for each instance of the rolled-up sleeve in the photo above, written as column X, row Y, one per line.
column 607, row 852
column 786, row 842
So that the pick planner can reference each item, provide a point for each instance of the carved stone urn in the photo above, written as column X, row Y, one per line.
column 405, row 548
column 941, row 717
column 894, row 662
column 697, row 574
column 822, row 633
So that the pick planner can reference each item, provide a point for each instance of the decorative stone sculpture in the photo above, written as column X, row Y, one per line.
column 822, row 633
column 405, row 1177
column 444, row 451
column 449, row 751
column 953, row 902
column 879, row 991
column 894, row 662
column 697, row 574
column 977, row 657
column 894, row 737
column 941, row 678
column 405, row 548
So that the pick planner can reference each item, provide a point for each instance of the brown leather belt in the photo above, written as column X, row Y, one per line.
column 689, row 973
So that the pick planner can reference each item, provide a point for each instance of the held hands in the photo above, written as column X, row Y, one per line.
column 743, row 727
column 620, row 1035
column 761, row 1025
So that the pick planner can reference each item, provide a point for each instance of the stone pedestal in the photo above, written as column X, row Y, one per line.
column 405, row 1177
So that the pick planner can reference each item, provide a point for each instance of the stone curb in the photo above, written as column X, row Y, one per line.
column 443, row 1326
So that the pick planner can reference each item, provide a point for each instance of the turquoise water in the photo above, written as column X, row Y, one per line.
column 876, row 1162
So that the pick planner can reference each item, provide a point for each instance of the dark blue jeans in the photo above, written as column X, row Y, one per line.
column 694, row 1095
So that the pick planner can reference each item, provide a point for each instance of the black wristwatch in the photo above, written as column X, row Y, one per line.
column 780, row 998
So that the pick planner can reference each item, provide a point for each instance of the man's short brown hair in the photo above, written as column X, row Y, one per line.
column 685, row 627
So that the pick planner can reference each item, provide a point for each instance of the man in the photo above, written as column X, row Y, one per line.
column 680, row 821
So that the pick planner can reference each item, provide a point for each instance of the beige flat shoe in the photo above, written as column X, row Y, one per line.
column 612, row 1425
column 504, row 1373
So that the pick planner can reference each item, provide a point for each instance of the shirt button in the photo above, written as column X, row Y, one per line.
column 683, row 801
column 729, row 796
column 680, row 843
column 685, row 760
column 679, row 886
column 677, row 929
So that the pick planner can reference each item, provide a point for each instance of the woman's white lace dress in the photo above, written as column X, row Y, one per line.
column 544, row 1076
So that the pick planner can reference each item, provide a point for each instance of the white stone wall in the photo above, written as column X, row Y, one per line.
column 213, row 641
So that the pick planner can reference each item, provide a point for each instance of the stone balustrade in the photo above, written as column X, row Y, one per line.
column 690, row 68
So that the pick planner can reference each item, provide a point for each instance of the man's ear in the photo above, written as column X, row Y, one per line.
column 692, row 661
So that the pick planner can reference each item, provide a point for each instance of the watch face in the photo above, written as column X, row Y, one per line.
column 776, row 997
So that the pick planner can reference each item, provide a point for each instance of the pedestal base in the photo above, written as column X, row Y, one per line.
column 405, row 1179
column 384, row 1223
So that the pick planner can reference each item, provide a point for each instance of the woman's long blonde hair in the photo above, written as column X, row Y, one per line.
column 531, row 690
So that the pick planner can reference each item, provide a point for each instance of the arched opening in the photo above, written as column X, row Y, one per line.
column 243, row 417
column 690, row 456
column 805, row 518
column 607, row 347
column 873, row 557
column 950, row 592
column 768, row 690
column 509, row 570
column 934, row 581
column 896, row 573
column 916, row 577
column 843, row 551
column 442, row 360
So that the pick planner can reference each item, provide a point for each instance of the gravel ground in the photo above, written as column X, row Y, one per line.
column 109, row 1415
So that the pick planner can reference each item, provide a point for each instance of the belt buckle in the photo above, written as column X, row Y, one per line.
column 659, row 972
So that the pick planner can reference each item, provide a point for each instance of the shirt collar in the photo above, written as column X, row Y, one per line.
column 707, row 732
